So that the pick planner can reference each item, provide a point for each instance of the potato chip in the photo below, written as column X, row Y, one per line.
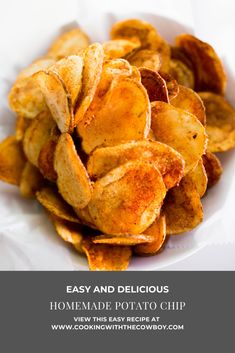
column 70, row 71
column 190, row 101
column 213, row 168
column 12, row 160
column 182, row 73
column 171, row 84
column 46, row 159
column 68, row 43
column 127, row 199
column 169, row 162
column 84, row 216
column 25, row 97
column 146, row 33
column 93, row 61
column 154, row 84
column 102, row 257
column 149, row 59
column 123, row 239
column 21, row 126
column 157, row 231
column 31, row 180
column 118, row 48
column 182, row 207
column 37, row 135
column 57, row 99
column 209, row 72
column 220, row 127
column 179, row 54
column 122, row 115
column 73, row 181
column 180, row 130
column 70, row 232
column 54, row 203
column 199, row 177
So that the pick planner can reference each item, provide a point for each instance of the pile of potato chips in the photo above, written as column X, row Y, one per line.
column 113, row 140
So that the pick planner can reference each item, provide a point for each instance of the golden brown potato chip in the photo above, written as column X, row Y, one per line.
column 166, row 159
column 118, row 48
column 182, row 207
column 54, row 203
column 213, row 168
column 154, row 84
column 182, row 73
column 199, row 177
column 31, row 180
column 145, row 58
column 93, row 61
column 12, row 160
column 25, row 97
column 171, row 84
column 180, row 130
column 220, row 126
column 209, row 72
column 70, row 232
column 85, row 217
column 69, row 71
column 123, row 239
column 73, row 181
column 68, row 43
column 146, row 33
column 57, row 99
column 122, row 115
column 37, row 135
column 46, row 159
column 102, row 257
column 158, row 232
column 190, row 101
column 127, row 199
column 21, row 126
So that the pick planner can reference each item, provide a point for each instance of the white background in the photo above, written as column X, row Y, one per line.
column 213, row 20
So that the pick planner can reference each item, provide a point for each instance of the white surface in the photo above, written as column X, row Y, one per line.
column 27, row 239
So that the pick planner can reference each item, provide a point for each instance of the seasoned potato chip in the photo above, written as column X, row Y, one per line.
column 180, row 130
column 166, row 159
column 123, row 239
column 46, row 159
column 213, row 168
column 37, row 135
column 182, row 207
column 70, row 232
column 103, row 257
column 93, row 61
column 158, row 232
column 127, row 199
column 146, row 33
column 220, row 118
column 171, row 84
column 57, row 99
column 199, row 177
column 85, row 217
column 118, row 48
column 69, row 71
column 25, row 97
column 154, row 84
column 209, row 72
column 190, row 101
column 21, row 126
column 68, row 43
column 12, row 160
column 122, row 115
column 53, row 202
column 145, row 58
column 73, row 181
column 182, row 73
column 31, row 180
